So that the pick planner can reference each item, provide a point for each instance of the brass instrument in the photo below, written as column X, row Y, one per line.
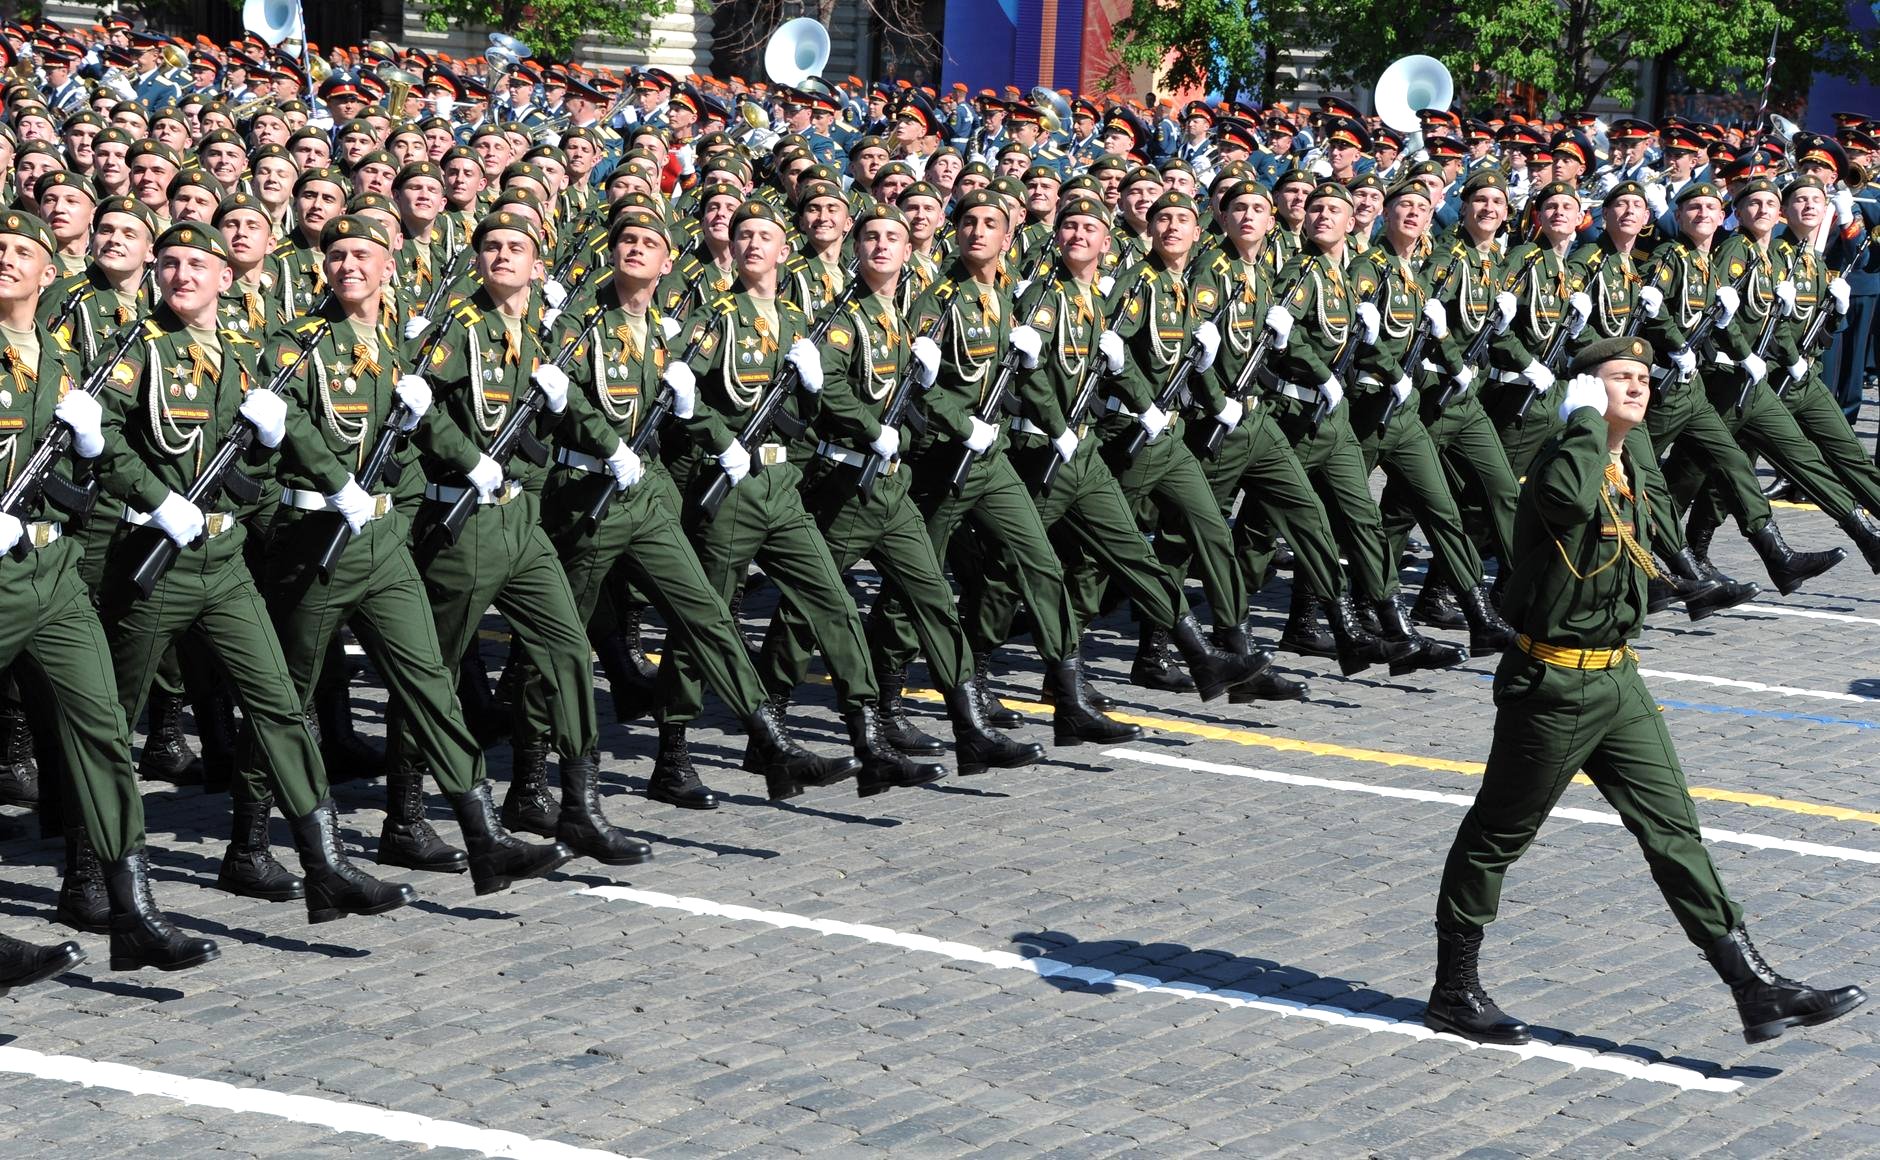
column 1053, row 112
column 398, row 86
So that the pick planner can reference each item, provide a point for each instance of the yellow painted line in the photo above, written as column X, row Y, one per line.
column 1793, row 506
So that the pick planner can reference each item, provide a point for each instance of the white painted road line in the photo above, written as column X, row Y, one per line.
column 1755, row 686
column 1810, row 613
column 1578, row 1058
column 1565, row 813
column 404, row 1127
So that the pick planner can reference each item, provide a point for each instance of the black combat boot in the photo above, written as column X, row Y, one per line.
column 788, row 768
column 1488, row 632
column 84, row 904
column 348, row 756
column 1704, row 594
column 529, row 806
column 977, row 747
column 674, row 781
column 22, row 963
column 1769, row 1003
column 1427, row 653
column 1865, row 536
column 883, row 766
column 1101, row 702
column 19, row 769
column 1781, row 488
column 1269, row 685
column 1153, row 667
column 497, row 857
column 248, row 867
column 1074, row 718
column 140, row 935
column 336, row 887
column 1302, row 633
column 407, row 839
column 1791, row 569
column 1439, row 607
column 997, row 715
column 1458, row 1004
column 1357, row 649
column 1214, row 671
column 632, row 677
column 167, row 755
column 896, row 726
column 1680, row 578
column 582, row 826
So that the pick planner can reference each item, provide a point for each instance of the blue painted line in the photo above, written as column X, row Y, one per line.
column 1737, row 711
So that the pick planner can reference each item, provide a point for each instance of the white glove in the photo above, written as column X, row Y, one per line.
column 268, row 412
column 669, row 326
column 554, row 293
column 553, row 382
column 179, row 519
column 1505, row 308
column 1279, row 320
column 1842, row 199
column 1651, row 300
column 1154, row 420
column 1439, row 319
column 1400, row 390
column 1583, row 391
column 927, row 356
column 1655, row 199
column 1208, row 338
column 1685, row 361
column 684, row 386
column 11, row 529
column 1582, row 307
column 1018, row 291
column 415, row 393
column 888, row 443
column 416, row 325
column 1110, row 346
column 81, row 413
column 1755, row 368
column 1334, row 391
column 443, row 104
column 1029, row 344
column 1105, row 285
column 1799, row 371
column 354, row 504
column 1730, row 300
column 736, row 461
column 1839, row 291
column 624, row 465
column 1066, row 444
column 1370, row 319
column 981, row 435
column 1464, row 378
column 486, row 477
column 1785, row 294
column 1537, row 374
column 1230, row 414
column 808, row 363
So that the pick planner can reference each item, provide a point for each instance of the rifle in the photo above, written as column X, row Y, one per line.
column 516, row 437
column 996, row 399
column 1818, row 325
column 1171, row 391
column 1477, row 349
column 1341, row 366
column 1707, row 321
column 445, row 280
column 642, row 439
column 37, row 477
column 1763, row 339
column 1550, row 358
column 1217, row 434
column 1413, row 354
column 1087, row 391
column 770, row 407
column 899, row 410
column 379, row 464
column 222, row 473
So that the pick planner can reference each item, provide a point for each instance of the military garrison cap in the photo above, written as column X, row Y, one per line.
column 354, row 225
column 1605, row 350
column 502, row 219
column 24, row 225
column 196, row 236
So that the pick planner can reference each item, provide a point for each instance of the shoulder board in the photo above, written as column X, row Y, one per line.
column 945, row 290
column 151, row 330
column 725, row 305
column 466, row 313
column 283, row 247
column 796, row 264
column 307, row 325
column 236, row 338
column 786, row 304
column 65, row 344
column 1222, row 264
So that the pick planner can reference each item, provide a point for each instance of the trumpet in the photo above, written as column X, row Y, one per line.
column 398, row 85
column 253, row 108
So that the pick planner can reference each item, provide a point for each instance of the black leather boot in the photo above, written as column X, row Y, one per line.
column 1791, row 569
column 1357, row 649
column 84, row 903
column 1704, row 594
column 1439, row 606
column 497, row 857
column 632, row 677
column 1302, row 633
column 977, row 747
column 1769, row 1003
column 348, row 756
column 900, row 731
column 788, row 768
column 22, row 963
column 335, row 886
column 997, row 715
column 1074, row 719
column 1488, row 632
column 488, row 723
column 1427, row 654
column 407, row 839
column 674, row 781
column 1458, row 1004
column 1269, row 685
column 1153, row 668
column 140, row 935
column 1680, row 578
column 582, row 826
column 1865, row 536
column 19, row 769
column 167, row 755
column 529, row 806
column 1214, row 671
column 1781, row 488
column 883, row 766
column 248, row 867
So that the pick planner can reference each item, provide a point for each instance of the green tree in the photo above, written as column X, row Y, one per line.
column 551, row 27
column 1232, row 46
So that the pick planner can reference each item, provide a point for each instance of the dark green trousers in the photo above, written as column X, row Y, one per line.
column 1767, row 428
column 1822, row 420
column 1523, row 434
column 1551, row 723
column 1479, row 477
column 1683, row 411
column 1416, row 482
column 1335, row 464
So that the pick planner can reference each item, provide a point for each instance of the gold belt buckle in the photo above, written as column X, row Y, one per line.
column 893, row 466
column 1083, row 429
column 42, row 534
column 772, row 454
column 381, row 506
column 216, row 524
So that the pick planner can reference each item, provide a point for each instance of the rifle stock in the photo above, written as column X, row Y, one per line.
column 1087, row 390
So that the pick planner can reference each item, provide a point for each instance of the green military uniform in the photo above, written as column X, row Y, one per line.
column 1810, row 400
column 97, row 314
column 303, row 279
column 1541, row 280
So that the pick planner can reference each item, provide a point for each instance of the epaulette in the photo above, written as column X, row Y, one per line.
column 785, row 302
column 65, row 344
column 283, row 248
column 944, row 290
column 726, row 305
column 1222, row 264
column 795, row 264
column 151, row 330
column 308, row 325
column 236, row 337
column 466, row 312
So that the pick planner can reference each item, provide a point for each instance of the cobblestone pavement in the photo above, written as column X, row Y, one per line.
column 1215, row 940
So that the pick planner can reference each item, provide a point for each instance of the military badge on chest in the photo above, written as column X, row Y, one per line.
column 181, row 385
